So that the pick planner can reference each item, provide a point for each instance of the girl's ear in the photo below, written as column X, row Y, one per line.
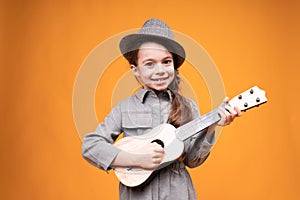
column 134, row 70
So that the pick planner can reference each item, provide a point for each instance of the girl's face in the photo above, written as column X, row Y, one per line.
column 155, row 66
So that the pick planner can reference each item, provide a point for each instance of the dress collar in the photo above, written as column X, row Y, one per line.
column 143, row 93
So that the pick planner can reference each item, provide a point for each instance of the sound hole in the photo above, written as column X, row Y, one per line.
column 161, row 143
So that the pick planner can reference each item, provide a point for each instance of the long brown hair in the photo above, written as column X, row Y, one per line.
column 180, row 109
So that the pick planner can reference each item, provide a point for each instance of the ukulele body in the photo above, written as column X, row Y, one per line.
column 164, row 135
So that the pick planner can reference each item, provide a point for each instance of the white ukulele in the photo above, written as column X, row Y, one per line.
column 171, row 139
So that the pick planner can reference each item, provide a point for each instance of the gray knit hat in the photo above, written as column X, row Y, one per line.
column 154, row 30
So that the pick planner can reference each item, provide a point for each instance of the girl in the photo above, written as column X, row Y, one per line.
column 154, row 57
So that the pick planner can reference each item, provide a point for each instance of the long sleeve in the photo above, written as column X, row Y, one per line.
column 198, row 147
column 97, row 146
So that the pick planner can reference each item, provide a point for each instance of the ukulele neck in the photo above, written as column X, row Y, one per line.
column 200, row 123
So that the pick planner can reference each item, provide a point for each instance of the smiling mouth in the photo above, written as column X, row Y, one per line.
column 160, row 79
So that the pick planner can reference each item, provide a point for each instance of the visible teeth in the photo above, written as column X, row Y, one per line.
column 161, row 79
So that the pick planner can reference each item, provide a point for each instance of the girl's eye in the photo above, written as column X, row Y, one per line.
column 168, row 62
column 149, row 64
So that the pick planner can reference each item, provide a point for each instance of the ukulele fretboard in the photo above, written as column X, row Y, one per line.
column 200, row 123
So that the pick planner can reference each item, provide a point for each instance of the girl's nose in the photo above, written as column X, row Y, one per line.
column 159, row 68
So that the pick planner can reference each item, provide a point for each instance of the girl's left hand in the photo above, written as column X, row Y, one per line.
column 228, row 114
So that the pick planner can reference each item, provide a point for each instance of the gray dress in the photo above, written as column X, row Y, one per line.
column 137, row 115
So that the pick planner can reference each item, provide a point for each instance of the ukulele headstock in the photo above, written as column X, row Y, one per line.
column 252, row 97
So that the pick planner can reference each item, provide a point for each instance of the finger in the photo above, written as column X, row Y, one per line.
column 226, row 99
column 159, row 159
column 228, row 120
column 159, row 150
column 155, row 161
column 239, row 112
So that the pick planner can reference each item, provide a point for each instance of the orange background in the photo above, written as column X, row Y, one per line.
column 43, row 44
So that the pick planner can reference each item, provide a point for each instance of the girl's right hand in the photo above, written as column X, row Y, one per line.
column 150, row 156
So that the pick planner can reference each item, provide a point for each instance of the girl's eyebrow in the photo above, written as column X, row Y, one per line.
column 148, row 59
column 168, row 57
column 153, row 59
